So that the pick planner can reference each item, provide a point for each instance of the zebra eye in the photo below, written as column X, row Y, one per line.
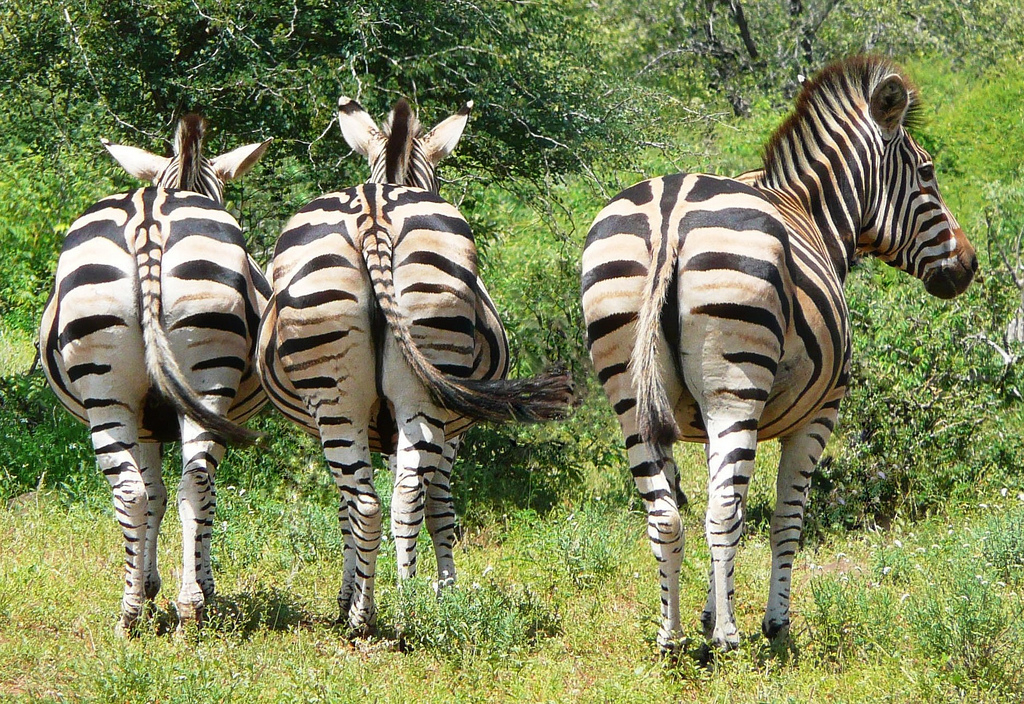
column 926, row 172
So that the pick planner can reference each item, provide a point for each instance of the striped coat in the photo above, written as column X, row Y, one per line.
column 715, row 312
column 149, row 337
column 380, row 337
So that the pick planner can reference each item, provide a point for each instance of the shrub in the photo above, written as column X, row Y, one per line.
column 463, row 622
column 1002, row 544
column 850, row 618
column 966, row 623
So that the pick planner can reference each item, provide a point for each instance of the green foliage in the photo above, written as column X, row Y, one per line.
column 42, row 443
column 1002, row 545
column 849, row 619
column 968, row 623
column 461, row 623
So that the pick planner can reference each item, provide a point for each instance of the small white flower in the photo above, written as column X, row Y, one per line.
column 898, row 543
column 487, row 571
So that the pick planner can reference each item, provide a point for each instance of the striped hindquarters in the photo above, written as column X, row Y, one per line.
column 210, row 299
column 324, row 299
column 740, row 303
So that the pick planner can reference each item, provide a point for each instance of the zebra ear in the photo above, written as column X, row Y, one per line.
column 138, row 162
column 441, row 141
column 237, row 162
column 889, row 103
column 359, row 129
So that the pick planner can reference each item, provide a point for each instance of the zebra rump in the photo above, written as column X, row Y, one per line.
column 548, row 396
column 161, row 365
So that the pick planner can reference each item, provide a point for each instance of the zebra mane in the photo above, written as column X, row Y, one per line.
column 401, row 128
column 836, row 89
column 188, row 148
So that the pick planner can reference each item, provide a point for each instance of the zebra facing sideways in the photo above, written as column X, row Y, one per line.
column 379, row 337
column 715, row 312
column 149, row 337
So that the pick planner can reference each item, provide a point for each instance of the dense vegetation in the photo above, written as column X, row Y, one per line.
column 911, row 577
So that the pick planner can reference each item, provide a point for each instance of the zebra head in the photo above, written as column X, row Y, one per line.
column 188, row 169
column 911, row 228
column 398, row 151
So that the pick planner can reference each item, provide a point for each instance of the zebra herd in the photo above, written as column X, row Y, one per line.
column 714, row 313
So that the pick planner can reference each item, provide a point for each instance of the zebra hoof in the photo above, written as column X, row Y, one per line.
column 190, row 613
column 152, row 586
column 362, row 625
column 127, row 626
column 670, row 645
column 775, row 631
column 725, row 640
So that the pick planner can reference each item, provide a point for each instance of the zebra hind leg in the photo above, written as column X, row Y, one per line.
column 150, row 460
column 800, row 454
column 115, row 443
column 421, row 446
column 347, row 450
column 730, row 452
column 201, row 454
column 440, row 515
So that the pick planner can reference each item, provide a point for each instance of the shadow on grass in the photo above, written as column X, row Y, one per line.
column 241, row 614
column 697, row 655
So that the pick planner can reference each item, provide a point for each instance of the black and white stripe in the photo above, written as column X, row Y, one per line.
column 715, row 312
column 149, row 336
column 380, row 337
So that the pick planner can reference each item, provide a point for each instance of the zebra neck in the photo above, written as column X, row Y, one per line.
column 821, row 203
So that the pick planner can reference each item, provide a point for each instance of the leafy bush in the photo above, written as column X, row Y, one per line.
column 1002, row 544
column 463, row 622
column 967, row 624
column 850, row 618
column 915, row 431
column 42, row 443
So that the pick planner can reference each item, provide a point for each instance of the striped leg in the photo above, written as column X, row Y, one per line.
column 440, row 514
column 150, row 456
column 664, row 527
column 346, row 447
column 115, row 439
column 201, row 454
column 800, row 453
column 420, row 449
column 731, row 449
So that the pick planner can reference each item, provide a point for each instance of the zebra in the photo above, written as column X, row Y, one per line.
column 403, row 135
column 380, row 338
column 149, row 337
column 715, row 312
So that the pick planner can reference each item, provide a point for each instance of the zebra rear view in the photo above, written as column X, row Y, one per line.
column 715, row 312
column 149, row 337
column 380, row 337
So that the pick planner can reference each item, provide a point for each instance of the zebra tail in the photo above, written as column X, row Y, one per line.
column 655, row 420
column 161, row 364
column 548, row 396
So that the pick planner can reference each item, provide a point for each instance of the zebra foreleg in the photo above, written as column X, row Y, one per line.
column 201, row 454
column 731, row 449
column 150, row 460
column 800, row 454
column 440, row 514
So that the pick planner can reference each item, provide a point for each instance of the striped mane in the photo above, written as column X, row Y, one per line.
column 401, row 129
column 840, row 89
column 188, row 146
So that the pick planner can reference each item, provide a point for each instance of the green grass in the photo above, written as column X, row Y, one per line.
column 559, row 607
